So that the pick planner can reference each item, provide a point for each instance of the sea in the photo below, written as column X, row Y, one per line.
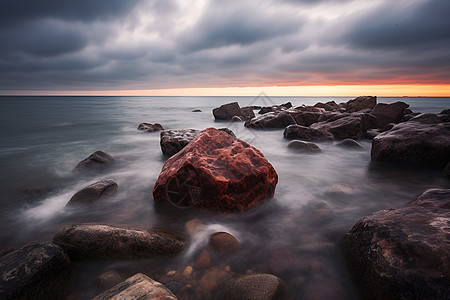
column 293, row 235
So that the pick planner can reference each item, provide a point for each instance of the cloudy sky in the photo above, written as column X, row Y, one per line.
column 152, row 46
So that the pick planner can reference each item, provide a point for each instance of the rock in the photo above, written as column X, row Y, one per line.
column 96, row 160
column 197, row 110
column 306, row 133
column 246, row 113
column 110, row 278
column 275, row 108
column 369, row 121
column 193, row 226
column 360, row 103
column 255, row 286
column 304, row 118
column 403, row 253
column 349, row 143
column 304, row 147
column 307, row 108
column 426, row 119
column 138, row 286
column 101, row 241
column 271, row 120
column 229, row 110
column 371, row 134
column 389, row 113
column 227, row 130
column 7, row 250
column 94, row 192
column 211, row 280
column 329, row 106
column 444, row 117
column 223, row 242
column 174, row 140
column 350, row 127
column 149, row 127
column 445, row 112
column 187, row 272
column 332, row 116
column 36, row 271
column 236, row 119
column 415, row 143
column 203, row 261
column 216, row 172
column 341, row 189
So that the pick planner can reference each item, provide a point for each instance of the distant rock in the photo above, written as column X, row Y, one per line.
column 306, row 133
column 426, row 119
column 173, row 140
column 328, row 106
column 94, row 192
column 413, row 142
column 36, row 271
column 101, row 241
column 350, row 127
column 304, row 147
column 361, row 103
column 255, row 286
column 271, row 120
column 216, row 172
column 138, row 286
column 403, row 253
column 275, row 108
column 149, row 127
column 96, row 160
column 389, row 113
column 197, row 110
column 445, row 112
column 349, row 143
column 223, row 242
column 229, row 110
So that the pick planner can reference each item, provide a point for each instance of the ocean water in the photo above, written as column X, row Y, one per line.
column 43, row 138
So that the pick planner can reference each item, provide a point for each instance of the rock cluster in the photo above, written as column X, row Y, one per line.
column 230, row 110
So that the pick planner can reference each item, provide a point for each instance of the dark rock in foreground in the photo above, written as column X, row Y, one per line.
column 403, row 253
column 149, row 127
column 101, row 241
column 96, row 160
column 306, row 133
column 36, row 271
column 350, row 127
column 174, row 140
column 389, row 113
column 305, row 147
column 94, row 192
column 271, row 120
column 414, row 142
column 360, row 103
column 140, row 287
column 255, row 286
column 216, row 171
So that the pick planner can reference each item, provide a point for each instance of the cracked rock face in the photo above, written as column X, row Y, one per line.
column 403, row 253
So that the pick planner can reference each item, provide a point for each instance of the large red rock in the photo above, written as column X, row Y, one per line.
column 218, row 172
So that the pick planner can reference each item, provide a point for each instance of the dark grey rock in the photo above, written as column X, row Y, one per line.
column 149, row 127
column 328, row 106
column 389, row 113
column 227, row 111
column 426, row 119
column 271, row 120
column 236, row 119
column 403, row 253
column 255, row 286
column 445, row 112
column 304, row 118
column 304, row 147
column 275, row 108
column 174, row 140
column 36, row 271
column 306, row 133
column 96, row 160
column 246, row 113
column 350, row 127
column 197, row 110
column 101, row 241
column 360, row 103
column 94, row 192
column 227, row 130
column 371, row 134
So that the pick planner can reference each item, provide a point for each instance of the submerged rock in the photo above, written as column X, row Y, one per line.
column 36, row 271
column 274, row 108
column 174, row 140
column 216, row 171
column 96, row 160
column 389, row 113
column 349, row 143
column 306, row 133
column 94, row 192
column 361, row 103
column 255, row 286
column 305, row 147
column 328, row 106
column 223, row 242
column 403, row 253
column 101, row 241
column 149, row 127
column 271, row 120
column 138, row 286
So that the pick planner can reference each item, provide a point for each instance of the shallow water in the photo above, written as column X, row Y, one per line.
column 293, row 234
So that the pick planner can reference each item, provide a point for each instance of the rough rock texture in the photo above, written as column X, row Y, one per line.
column 96, row 160
column 350, row 127
column 271, row 120
column 229, row 110
column 304, row 147
column 94, row 192
column 36, row 271
column 174, row 140
column 100, row 241
column 138, row 286
column 389, row 113
column 216, row 171
column 360, row 103
column 223, row 242
column 413, row 142
column 306, row 133
column 426, row 119
column 403, row 253
column 149, row 127
column 255, row 286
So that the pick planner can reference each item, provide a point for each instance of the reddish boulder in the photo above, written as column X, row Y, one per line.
column 389, row 113
column 218, row 172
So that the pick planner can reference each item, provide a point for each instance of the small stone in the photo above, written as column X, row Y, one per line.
column 227, row 268
column 171, row 273
column 187, row 272
column 203, row 261
column 223, row 242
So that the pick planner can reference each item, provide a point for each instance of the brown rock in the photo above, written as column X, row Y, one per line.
column 271, row 120
column 255, row 286
column 203, row 261
column 212, row 279
column 149, row 127
column 94, row 192
column 306, row 133
column 329, row 106
column 350, row 127
column 426, row 119
column 193, row 226
column 216, row 171
column 304, row 118
column 96, row 160
column 360, row 103
column 389, row 113
column 303, row 147
column 227, row 111
column 223, row 242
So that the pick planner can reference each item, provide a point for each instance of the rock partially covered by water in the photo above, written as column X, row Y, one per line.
column 36, row 271
column 229, row 110
column 389, row 113
column 361, row 103
column 218, row 172
column 328, row 106
column 138, row 286
column 149, row 127
column 305, row 147
column 274, row 108
column 349, row 127
column 96, row 160
column 94, row 192
column 174, row 140
column 101, row 241
column 223, row 242
column 349, row 143
column 255, row 286
column 306, row 133
column 271, row 120
column 403, row 253
column 414, row 142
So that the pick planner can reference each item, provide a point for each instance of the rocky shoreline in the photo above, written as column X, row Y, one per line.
column 397, row 253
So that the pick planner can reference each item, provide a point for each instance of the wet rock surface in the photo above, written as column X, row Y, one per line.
column 150, row 127
column 217, row 172
column 403, row 253
column 94, row 192
column 173, row 140
column 255, row 286
column 307, row 133
column 101, row 241
column 36, row 271
column 96, row 160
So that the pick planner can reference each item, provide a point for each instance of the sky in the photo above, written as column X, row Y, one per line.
column 232, row 47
